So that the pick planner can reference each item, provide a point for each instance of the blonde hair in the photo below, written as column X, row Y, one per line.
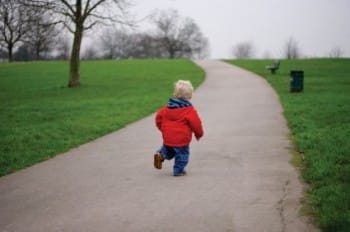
column 183, row 89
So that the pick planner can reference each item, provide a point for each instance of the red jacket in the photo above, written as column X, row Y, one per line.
column 178, row 124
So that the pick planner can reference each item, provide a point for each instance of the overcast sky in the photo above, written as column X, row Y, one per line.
column 317, row 26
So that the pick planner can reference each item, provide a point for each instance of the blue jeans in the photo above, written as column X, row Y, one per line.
column 181, row 155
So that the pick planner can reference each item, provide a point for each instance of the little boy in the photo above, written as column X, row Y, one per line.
column 177, row 121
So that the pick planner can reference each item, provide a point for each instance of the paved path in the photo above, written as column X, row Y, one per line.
column 239, row 178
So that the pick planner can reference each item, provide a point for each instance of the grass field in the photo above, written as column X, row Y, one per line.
column 319, row 119
column 40, row 117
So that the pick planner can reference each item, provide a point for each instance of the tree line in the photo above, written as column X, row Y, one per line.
column 290, row 50
column 173, row 37
column 32, row 30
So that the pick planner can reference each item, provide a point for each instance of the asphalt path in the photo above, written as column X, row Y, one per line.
column 239, row 176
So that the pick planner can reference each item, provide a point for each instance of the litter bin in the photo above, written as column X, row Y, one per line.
column 296, row 81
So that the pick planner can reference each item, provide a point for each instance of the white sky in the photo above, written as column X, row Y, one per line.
column 316, row 25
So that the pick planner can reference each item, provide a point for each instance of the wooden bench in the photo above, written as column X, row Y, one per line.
column 274, row 67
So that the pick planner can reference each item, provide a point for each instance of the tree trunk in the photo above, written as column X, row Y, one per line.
column 171, row 53
column 74, row 75
column 10, row 55
column 37, row 52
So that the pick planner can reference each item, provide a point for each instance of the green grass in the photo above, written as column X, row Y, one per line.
column 319, row 118
column 40, row 117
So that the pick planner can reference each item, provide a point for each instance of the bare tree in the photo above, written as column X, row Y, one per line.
column 107, row 43
column 23, row 53
column 41, row 34
column 146, row 46
column 90, row 53
column 120, row 44
column 336, row 52
column 3, row 54
column 79, row 16
column 115, row 43
column 243, row 50
column 179, row 36
column 291, row 49
column 63, row 47
column 196, row 41
column 202, row 49
column 13, row 25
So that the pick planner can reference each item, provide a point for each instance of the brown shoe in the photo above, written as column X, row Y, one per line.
column 158, row 160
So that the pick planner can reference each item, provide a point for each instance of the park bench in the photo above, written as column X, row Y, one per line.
column 275, row 66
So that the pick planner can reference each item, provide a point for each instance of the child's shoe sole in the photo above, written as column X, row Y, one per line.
column 158, row 159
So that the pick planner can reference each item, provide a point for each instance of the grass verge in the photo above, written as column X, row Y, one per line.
column 319, row 119
column 40, row 117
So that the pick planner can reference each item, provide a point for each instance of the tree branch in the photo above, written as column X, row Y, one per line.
column 88, row 11
column 68, row 6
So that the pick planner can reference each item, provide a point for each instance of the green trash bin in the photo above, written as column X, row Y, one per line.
column 296, row 80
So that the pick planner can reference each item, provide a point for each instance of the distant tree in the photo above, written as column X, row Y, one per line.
column 243, row 50
column 120, row 44
column 14, row 19
column 115, row 43
column 202, row 51
column 3, row 54
column 79, row 16
column 63, row 47
column 146, row 46
column 107, row 43
column 197, row 42
column 41, row 35
column 90, row 53
column 336, row 52
column 178, row 36
column 291, row 49
column 23, row 53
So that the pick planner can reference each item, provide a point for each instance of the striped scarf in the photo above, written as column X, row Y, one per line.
column 175, row 103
